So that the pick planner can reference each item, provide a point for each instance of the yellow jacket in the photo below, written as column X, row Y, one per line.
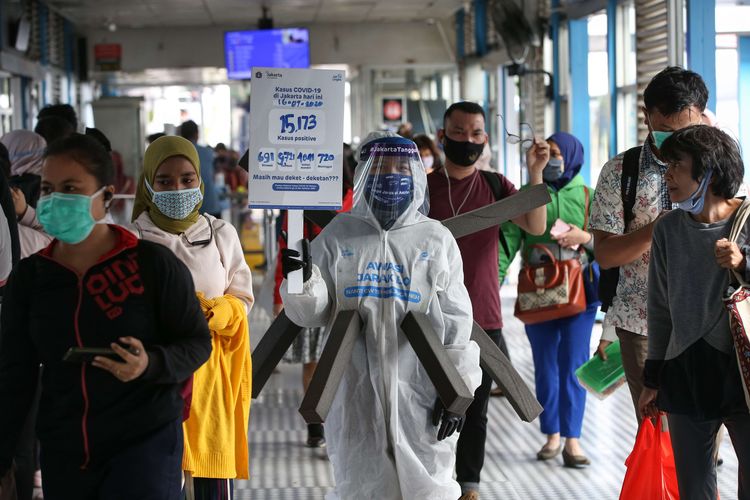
column 216, row 431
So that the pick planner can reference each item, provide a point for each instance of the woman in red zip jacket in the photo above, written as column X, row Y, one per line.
column 108, row 428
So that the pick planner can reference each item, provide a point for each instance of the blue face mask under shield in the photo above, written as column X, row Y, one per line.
column 694, row 203
column 389, row 195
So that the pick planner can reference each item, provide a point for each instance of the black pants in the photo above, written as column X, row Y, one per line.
column 149, row 469
column 26, row 451
column 694, row 443
column 213, row 489
column 470, row 449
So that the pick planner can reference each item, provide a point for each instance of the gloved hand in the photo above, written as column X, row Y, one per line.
column 290, row 261
column 451, row 422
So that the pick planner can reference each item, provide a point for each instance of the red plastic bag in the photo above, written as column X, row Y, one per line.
column 651, row 472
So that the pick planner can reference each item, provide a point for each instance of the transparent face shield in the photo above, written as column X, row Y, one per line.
column 390, row 180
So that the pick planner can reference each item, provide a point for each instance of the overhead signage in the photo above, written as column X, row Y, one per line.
column 108, row 56
column 393, row 109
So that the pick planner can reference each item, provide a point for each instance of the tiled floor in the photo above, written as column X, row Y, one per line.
column 283, row 469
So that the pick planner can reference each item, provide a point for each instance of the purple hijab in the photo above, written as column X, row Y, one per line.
column 572, row 152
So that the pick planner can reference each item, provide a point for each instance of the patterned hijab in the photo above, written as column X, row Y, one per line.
column 157, row 153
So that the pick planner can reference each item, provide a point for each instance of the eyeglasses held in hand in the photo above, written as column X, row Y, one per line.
column 525, row 143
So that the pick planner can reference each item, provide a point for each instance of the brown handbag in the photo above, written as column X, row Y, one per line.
column 550, row 291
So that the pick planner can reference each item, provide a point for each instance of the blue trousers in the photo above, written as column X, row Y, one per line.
column 559, row 347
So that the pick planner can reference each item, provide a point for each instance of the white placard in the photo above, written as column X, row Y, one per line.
column 296, row 137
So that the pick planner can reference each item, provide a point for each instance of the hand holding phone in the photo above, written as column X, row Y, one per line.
column 125, row 363
column 569, row 236
column 558, row 228
column 87, row 354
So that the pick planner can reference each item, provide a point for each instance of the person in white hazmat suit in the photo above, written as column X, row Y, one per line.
column 389, row 437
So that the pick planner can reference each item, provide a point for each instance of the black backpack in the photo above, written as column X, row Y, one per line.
column 494, row 182
column 609, row 278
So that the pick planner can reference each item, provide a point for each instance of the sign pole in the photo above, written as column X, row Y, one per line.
column 294, row 242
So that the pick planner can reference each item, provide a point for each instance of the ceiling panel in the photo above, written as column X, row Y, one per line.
column 399, row 12
column 246, row 12
column 344, row 13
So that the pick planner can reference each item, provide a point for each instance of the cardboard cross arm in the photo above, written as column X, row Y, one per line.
column 271, row 349
column 498, row 366
column 282, row 332
column 336, row 356
column 496, row 213
column 467, row 223
column 451, row 388
column 432, row 355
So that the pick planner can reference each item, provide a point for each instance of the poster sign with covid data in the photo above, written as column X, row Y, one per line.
column 296, row 137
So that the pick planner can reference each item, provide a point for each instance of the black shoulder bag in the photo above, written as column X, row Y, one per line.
column 494, row 182
column 609, row 278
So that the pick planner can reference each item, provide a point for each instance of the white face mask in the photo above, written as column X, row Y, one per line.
column 694, row 203
column 176, row 204
column 428, row 161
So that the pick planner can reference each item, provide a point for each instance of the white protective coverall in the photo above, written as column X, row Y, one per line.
column 381, row 440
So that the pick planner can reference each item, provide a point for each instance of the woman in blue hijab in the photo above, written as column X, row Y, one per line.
column 561, row 345
column 566, row 153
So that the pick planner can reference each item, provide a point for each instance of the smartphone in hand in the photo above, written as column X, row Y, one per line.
column 559, row 227
column 87, row 354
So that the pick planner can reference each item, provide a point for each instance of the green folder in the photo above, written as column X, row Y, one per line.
column 602, row 378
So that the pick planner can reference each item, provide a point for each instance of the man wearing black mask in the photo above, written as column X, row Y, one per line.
column 457, row 188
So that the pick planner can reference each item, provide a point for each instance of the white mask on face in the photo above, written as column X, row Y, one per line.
column 694, row 203
column 176, row 204
column 428, row 161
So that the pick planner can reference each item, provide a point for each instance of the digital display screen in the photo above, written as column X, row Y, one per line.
column 276, row 48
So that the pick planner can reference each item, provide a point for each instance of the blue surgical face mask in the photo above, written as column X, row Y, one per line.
column 67, row 217
column 553, row 170
column 388, row 195
column 177, row 204
column 694, row 203
column 660, row 137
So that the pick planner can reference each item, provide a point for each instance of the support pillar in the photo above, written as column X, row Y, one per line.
column 743, row 53
column 612, row 66
column 580, row 114
column 701, row 43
